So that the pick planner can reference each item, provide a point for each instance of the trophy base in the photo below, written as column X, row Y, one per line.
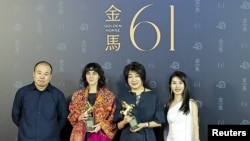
column 89, row 124
column 133, row 123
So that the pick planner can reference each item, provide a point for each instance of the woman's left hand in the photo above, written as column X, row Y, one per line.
column 96, row 128
column 139, row 127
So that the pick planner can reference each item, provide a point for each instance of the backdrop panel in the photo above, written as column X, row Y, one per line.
column 209, row 40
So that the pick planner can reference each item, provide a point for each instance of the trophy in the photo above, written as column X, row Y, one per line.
column 127, row 111
column 90, row 120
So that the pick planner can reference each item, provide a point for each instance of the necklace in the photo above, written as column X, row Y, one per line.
column 138, row 97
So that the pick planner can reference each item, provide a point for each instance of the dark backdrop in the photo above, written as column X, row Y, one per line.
column 211, row 44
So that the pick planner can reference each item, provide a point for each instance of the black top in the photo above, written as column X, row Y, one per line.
column 91, row 98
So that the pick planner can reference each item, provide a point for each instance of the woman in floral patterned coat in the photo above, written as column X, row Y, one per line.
column 94, row 94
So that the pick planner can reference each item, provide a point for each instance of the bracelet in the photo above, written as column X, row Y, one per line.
column 147, row 124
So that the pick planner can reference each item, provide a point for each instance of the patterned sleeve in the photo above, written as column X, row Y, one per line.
column 105, row 114
column 74, row 111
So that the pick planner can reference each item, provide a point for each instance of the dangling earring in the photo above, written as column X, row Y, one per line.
column 169, row 95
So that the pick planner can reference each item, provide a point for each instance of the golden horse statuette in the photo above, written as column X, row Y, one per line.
column 90, row 121
column 127, row 108
column 127, row 111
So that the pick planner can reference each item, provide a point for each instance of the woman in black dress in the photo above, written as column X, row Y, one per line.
column 148, row 111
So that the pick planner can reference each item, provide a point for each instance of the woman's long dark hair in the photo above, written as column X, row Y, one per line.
column 186, row 93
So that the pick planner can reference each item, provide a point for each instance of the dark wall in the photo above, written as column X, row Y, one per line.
column 211, row 44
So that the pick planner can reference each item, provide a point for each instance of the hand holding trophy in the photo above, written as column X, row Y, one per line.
column 127, row 111
column 90, row 120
